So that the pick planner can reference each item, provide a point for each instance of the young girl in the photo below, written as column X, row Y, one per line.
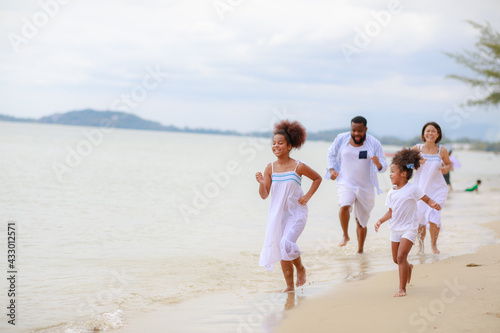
column 430, row 179
column 288, row 211
column 402, row 215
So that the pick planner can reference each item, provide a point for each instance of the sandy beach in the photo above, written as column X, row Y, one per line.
column 458, row 294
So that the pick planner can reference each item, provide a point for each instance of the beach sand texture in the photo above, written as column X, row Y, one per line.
column 458, row 294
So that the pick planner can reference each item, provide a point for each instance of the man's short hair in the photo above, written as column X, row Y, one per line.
column 359, row 120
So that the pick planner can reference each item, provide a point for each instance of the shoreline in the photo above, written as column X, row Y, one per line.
column 457, row 294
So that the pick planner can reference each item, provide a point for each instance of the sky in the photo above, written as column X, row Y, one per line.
column 242, row 64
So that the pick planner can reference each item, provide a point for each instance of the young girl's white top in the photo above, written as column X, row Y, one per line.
column 286, row 220
column 403, row 203
column 430, row 179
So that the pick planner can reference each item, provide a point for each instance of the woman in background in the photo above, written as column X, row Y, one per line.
column 429, row 177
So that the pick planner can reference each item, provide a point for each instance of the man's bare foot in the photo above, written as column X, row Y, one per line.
column 288, row 289
column 400, row 293
column 435, row 250
column 301, row 276
column 409, row 273
column 344, row 241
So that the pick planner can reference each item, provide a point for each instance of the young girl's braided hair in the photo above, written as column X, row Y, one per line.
column 407, row 159
column 294, row 133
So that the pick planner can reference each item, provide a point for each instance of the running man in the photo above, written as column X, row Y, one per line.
column 354, row 159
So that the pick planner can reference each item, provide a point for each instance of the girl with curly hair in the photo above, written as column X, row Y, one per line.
column 402, row 215
column 288, row 210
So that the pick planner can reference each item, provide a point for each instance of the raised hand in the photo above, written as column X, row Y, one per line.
column 259, row 178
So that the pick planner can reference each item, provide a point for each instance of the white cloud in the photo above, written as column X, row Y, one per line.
column 264, row 54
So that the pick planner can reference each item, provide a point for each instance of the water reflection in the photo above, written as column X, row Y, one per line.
column 427, row 258
column 290, row 301
column 357, row 267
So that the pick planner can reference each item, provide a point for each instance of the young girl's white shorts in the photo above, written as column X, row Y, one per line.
column 410, row 234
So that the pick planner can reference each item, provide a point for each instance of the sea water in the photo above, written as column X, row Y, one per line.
column 113, row 225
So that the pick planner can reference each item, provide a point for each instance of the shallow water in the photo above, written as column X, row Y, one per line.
column 116, row 226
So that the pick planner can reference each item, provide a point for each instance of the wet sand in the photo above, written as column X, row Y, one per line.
column 458, row 294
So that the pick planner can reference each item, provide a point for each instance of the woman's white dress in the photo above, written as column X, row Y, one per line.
column 430, row 179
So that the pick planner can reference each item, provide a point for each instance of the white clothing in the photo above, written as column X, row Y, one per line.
column 286, row 220
column 430, row 179
column 373, row 147
column 362, row 199
column 410, row 235
column 403, row 203
column 355, row 171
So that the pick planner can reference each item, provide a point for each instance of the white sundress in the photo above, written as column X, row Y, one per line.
column 286, row 220
column 430, row 179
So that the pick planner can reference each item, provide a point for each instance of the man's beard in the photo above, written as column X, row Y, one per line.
column 360, row 141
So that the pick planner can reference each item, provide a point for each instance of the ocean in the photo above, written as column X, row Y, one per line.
column 113, row 226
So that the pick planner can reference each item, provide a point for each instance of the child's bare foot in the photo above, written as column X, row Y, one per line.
column 344, row 241
column 435, row 250
column 288, row 289
column 410, row 269
column 400, row 293
column 301, row 276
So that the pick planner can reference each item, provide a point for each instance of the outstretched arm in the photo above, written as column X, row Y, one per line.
column 303, row 169
column 264, row 182
column 446, row 160
column 430, row 202
column 384, row 218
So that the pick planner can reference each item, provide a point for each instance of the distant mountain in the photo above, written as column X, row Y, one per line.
column 118, row 119
column 10, row 118
column 114, row 119
column 326, row 135
column 100, row 118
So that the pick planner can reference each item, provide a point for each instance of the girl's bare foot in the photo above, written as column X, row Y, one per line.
column 400, row 293
column 410, row 269
column 301, row 276
column 435, row 250
column 288, row 289
column 344, row 241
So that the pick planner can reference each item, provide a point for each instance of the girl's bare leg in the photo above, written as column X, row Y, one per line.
column 404, row 267
column 287, row 267
column 434, row 231
column 301, row 272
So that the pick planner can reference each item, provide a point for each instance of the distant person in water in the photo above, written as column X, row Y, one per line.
column 354, row 159
column 402, row 215
column 429, row 177
column 475, row 187
column 455, row 164
column 288, row 210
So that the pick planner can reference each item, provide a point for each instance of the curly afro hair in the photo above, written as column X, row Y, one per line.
column 405, row 159
column 294, row 133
